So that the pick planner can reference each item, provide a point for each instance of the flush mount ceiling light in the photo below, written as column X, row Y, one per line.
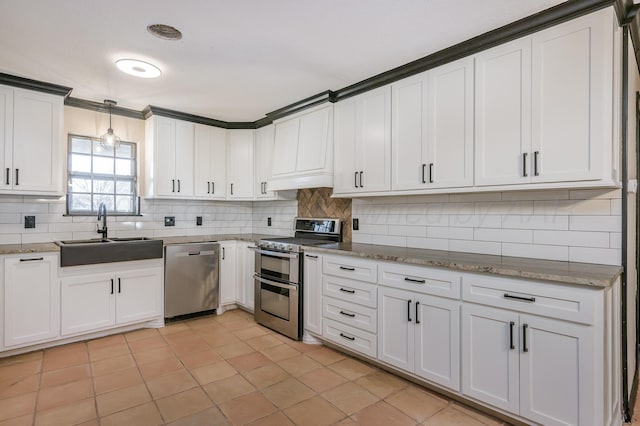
column 138, row 68
column 165, row 32
column 110, row 140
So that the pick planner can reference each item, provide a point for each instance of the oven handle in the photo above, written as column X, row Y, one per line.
column 275, row 283
column 274, row 253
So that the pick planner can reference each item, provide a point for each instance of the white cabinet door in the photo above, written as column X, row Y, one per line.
column 395, row 327
column 37, row 131
column 210, row 158
column 312, row 295
column 503, row 114
column 437, row 340
column 228, row 272
column 490, row 356
column 571, row 104
column 31, row 299
column 240, row 164
column 218, row 173
column 449, row 161
column 313, row 139
column 373, row 141
column 264, row 161
column 184, row 159
column 245, row 291
column 6, row 136
column 87, row 303
column 286, row 145
column 344, row 160
column 139, row 295
column 164, row 158
column 556, row 376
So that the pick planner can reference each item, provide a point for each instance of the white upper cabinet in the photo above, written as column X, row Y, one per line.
column 363, row 137
column 210, row 162
column 432, row 140
column 264, row 161
column 30, row 142
column 170, row 158
column 240, row 164
column 303, row 150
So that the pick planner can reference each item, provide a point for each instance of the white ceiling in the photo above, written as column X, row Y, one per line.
column 238, row 59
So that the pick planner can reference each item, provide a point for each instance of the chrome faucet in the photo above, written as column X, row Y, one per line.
column 102, row 214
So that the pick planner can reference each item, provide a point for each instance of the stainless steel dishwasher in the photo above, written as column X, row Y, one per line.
column 191, row 278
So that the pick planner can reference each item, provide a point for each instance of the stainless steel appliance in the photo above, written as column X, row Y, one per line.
column 191, row 278
column 278, row 274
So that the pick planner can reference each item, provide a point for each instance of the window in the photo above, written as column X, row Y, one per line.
column 101, row 175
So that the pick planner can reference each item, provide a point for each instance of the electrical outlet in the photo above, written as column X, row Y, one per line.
column 268, row 221
column 356, row 224
column 169, row 221
column 198, row 220
column 29, row 222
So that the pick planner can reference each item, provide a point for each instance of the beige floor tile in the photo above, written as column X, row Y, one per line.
column 451, row 417
column 280, row 352
column 117, row 380
column 122, row 399
column 108, row 352
column 239, row 325
column 288, row 393
column 351, row 368
column 263, row 342
column 110, row 365
column 249, row 361
column 17, row 406
column 65, row 356
column 382, row 414
column 94, row 422
column 142, row 415
column 229, row 388
column 105, row 342
column 200, row 322
column 26, row 420
column 350, row 397
column 275, row 419
column 16, row 387
column 153, row 355
column 144, row 333
column 210, row 330
column 322, row 379
column 182, row 338
column 348, row 421
column 483, row 418
column 58, row 396
column 190, row 347
column 417, row 403
column 19, row 359
column 213, row 372
column 381, row 384
column 247, row 408
column 198, row 359
column 150, row 370
column 266, row 376
column 170, row 384
column 326, row 356
column 316, row 411
column 304, row 347
column 234, row 350
column 299, row 365
column 142, row 345
column 72, row 414
column 20, row 370
column 211, row 416
column 183, row 404
column 173, row 328
column 221, row 339
column 65, row 375
column 250, row 332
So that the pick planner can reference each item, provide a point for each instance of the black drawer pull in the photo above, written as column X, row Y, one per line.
column 424, row 166
column 111, row 285
column 347, row 314
column 417, row 319
column 17, row 177
column 33, row 259
column 347, row 337
column 311, row 256
column 208, row 187
column 430, row 172
column 345, row 268
column 535, row 163
column 7, row 181
column 524, row 338
column 524, row 164
column 511, row 345
column 409, row 310
column 347, row 291
column 413, row 280
column 119, row 287
column 523, row 299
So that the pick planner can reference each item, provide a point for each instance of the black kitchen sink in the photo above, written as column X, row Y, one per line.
column 108, row 250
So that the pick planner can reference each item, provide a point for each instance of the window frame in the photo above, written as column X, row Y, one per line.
column 94, row 176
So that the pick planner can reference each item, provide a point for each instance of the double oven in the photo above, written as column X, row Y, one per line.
column 278, row 274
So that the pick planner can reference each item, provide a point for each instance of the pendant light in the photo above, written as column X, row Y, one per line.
column 110, row 140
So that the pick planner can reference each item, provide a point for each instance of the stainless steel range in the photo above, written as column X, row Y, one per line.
column 278, row 274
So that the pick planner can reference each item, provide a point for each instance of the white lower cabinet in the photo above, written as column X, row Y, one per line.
column 92, row 301
column 312, row 293
column 228, row 272
column 245, row 290
column 31, row 300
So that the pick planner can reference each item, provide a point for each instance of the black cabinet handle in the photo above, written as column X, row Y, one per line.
column 524, row 164
column 119, row 286
column 208, row 187
column 231, row 189
column 511, row 325
column 417, row 319
column 355, row 179
column 344, row 290
column 32, row 259
column 430, row 172
column 424, row 179
column 346, row 268
column 311, row 256
column 222, row 253
column 213, row 187
column 17, row 177
column 7, row 182
column 347, row 337
column 520, row 298
column 412, row 280
column 178, row 185
column 347, row 314
column 173, row 185
column 535, row 163
column 524, row 338
column 409, row 310
column 361, row 185
column 111, row 285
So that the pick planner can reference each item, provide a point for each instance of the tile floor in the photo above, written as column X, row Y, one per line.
column 212, row 371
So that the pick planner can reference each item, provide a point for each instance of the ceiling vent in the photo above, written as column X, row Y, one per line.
column 165, row 32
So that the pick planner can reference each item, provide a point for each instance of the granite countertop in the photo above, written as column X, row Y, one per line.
column 28, row 248
column 583, row 274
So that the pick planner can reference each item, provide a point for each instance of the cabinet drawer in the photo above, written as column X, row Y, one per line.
column 420, row 279
column 539, row 298
column 349, row 290
column 350, row 337
column 351, row 314
column 349, row 267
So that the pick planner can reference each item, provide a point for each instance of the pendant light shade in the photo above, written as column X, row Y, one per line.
column 110, row 140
